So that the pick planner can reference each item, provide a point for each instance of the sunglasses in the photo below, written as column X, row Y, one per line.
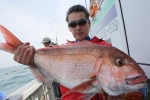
column 80, row 23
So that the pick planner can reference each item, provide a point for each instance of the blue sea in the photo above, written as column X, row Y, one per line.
column 13, row 78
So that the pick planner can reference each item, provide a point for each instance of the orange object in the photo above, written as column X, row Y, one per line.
column 93, row 8
column 134, row 96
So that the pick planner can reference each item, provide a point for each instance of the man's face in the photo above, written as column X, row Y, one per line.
column 46, row 44
column 80, row 31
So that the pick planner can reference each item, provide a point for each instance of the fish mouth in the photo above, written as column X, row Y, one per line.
column 136, row 80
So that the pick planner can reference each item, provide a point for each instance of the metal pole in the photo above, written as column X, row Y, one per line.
column 57, row 32
column 86, row 4
column 57, row 29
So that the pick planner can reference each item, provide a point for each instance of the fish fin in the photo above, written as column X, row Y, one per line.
column 84, row 86
column 12, row 42
column 7, row 48
column 83, row 43
column 86, row 97
column 92, row 75
column 97, row 66
column 39, row 77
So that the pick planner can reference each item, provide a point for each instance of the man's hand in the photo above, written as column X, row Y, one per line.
column 24, row 54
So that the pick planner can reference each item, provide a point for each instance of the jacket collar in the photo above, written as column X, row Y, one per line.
column 87, row 38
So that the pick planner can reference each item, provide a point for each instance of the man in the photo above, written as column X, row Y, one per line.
column 46, row 41
column 79, row 25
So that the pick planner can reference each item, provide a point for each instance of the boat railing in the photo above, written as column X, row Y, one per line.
column 33, row 91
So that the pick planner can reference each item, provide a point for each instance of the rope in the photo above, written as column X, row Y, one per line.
column 13, row 71
column 86, row 4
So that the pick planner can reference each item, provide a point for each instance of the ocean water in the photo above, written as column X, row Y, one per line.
column 13, row 78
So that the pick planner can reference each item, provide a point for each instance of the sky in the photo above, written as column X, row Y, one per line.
column 32, row 20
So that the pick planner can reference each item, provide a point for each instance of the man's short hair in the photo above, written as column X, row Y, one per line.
column 77, row 8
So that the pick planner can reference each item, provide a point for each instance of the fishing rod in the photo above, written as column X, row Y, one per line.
column 86, row 4
column 57, row 29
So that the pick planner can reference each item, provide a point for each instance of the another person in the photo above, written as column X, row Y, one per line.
column 79, row 25
column 46, row 41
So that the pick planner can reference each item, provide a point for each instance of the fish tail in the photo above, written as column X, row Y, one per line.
column 12, row 42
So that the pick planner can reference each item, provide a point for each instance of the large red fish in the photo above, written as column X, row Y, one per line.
column 72, row 65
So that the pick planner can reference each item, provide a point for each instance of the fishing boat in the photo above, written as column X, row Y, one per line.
column 123, row 23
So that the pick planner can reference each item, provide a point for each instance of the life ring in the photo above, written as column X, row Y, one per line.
column 93, row 8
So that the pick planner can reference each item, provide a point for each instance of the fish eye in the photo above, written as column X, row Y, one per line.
column 120, row 62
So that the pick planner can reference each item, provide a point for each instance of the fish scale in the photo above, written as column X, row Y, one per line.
column 70, row 65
